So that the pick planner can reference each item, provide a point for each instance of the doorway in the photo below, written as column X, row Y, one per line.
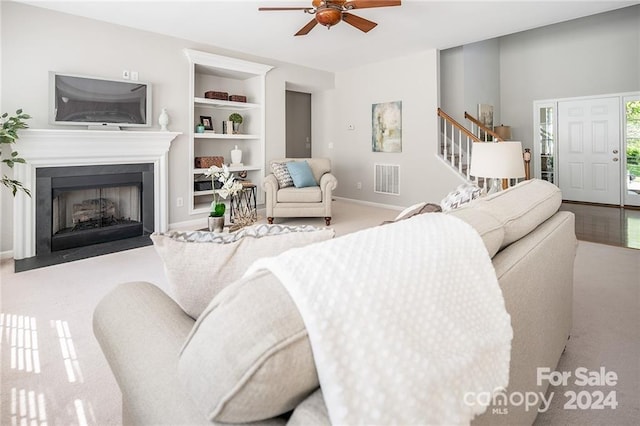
column 589, row 150
column 631, row 170
column 298, row 124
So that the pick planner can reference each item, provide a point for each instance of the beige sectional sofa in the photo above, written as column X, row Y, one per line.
column 247, row 358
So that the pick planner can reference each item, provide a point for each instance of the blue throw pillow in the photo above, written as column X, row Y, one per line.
column 301, row 174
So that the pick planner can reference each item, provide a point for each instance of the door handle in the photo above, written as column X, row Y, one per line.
column 615, row 151
column 615, row 159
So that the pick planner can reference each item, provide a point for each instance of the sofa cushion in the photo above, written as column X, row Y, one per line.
column 410, row 211
column 521, row 208
column 248, row 356
column 489, row 228
column 463, row 194
column 416, row 209
column 301, row 174
column 319, row 166
column 199, row 264
column 281, row 172
column 311, row 194
column 311, row 412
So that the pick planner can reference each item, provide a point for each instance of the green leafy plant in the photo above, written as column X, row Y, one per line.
column 229, row 186
column 633, row 155
column 236, row 118
column 633, row 110
column 9, row 135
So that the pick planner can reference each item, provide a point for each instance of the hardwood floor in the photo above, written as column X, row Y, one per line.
column 606, row 225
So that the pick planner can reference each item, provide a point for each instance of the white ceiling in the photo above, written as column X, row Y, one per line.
column 412, row 27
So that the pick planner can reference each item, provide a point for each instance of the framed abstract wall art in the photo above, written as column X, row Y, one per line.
column 386, row 127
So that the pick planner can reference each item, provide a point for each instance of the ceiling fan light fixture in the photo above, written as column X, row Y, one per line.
column 328, row 16
column 330, row 12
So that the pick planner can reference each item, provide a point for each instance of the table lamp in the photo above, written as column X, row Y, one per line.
column 497, row 160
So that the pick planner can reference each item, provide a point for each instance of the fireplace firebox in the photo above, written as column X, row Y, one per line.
column 81, row 206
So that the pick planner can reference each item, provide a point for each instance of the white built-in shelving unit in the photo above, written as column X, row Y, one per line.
column 209, row 72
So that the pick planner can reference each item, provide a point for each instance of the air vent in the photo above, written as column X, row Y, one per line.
column 387, row 179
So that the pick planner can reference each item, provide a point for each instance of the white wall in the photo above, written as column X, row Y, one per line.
column 35, row 41
column 412, row 80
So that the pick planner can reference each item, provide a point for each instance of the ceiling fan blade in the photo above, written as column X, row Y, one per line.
column 363, row 4
column 263, row 9
column 305, row 30
column 360, row 23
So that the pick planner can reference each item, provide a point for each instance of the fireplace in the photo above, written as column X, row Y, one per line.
column 95, row 214
column 123, row 174
column 86, row 205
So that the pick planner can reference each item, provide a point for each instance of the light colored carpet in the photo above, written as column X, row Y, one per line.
column 605, row 333
column 53, row 371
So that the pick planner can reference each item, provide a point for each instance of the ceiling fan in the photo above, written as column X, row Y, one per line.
column 330, row 12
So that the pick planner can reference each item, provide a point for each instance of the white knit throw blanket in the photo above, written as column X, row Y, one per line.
column 406, row 321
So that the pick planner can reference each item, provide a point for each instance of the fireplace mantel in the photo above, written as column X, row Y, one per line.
column 59, row 148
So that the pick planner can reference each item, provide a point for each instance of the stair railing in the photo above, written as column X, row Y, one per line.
column 456, row 137
column 455, row 144
column 480, row 130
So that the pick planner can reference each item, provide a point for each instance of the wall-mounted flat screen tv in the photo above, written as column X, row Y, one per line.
column 98, row 102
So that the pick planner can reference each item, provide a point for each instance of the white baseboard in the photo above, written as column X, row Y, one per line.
column 371, row 204
column 189, row 225
column 6, row 254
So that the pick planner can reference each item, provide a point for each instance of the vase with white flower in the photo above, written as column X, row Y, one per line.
column 224, row 184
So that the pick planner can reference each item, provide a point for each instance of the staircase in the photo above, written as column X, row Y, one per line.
column 456, row 146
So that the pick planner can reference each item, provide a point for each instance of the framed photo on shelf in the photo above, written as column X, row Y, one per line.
column 206, row 122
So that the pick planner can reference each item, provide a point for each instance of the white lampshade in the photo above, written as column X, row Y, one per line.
column 497, row 160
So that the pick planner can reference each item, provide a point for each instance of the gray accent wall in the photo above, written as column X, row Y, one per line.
column 595, row 55
column 470, row 75
column 589, row 56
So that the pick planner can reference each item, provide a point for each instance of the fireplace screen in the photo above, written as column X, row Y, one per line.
column 102, row 205
column 87, row 209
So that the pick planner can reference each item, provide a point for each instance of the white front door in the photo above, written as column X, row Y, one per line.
column 589, row 150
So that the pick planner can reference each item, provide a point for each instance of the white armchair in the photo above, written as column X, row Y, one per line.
column 312, row 201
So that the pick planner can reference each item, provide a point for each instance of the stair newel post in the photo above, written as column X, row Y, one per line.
column 452, row 154
column 444, row 142
column 460, row 147
column 468, row 157
column 527, row 163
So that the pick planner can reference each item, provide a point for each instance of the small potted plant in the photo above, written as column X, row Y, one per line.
column 228, row 186
column 237, row 121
